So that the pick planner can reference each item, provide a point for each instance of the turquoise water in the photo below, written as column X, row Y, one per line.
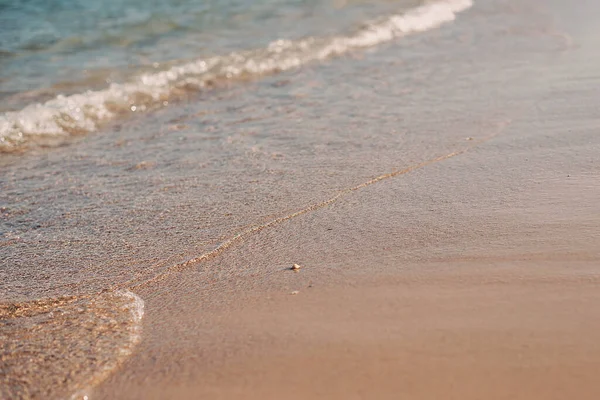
column 67, row 67
column 59, row 42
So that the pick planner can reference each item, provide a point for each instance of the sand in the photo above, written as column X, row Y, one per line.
column 460, row 334
column 502, row 305
column 492, row 294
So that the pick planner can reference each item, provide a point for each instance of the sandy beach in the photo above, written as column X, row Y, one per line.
column 440, row 196
column 503, row 304
column 466, row 334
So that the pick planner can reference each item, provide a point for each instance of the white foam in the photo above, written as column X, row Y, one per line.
column 135, row 307
column 85, row 112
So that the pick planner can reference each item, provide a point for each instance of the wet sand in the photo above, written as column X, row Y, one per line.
column 463, row 333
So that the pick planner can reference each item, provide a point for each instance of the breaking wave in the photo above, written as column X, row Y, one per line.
column 84, row 112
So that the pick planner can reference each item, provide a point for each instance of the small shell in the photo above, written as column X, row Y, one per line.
column 295, row 292
column 295, row 267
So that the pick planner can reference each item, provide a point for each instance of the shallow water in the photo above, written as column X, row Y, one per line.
column 59, row 348
column 159, row 188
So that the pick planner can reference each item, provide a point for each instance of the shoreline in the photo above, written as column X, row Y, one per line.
column 471, row 275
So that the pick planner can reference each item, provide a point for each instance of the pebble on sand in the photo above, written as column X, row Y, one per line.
column 296, row 267
column 295, row 292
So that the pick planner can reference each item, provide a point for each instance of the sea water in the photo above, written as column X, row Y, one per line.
column 67, row 67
